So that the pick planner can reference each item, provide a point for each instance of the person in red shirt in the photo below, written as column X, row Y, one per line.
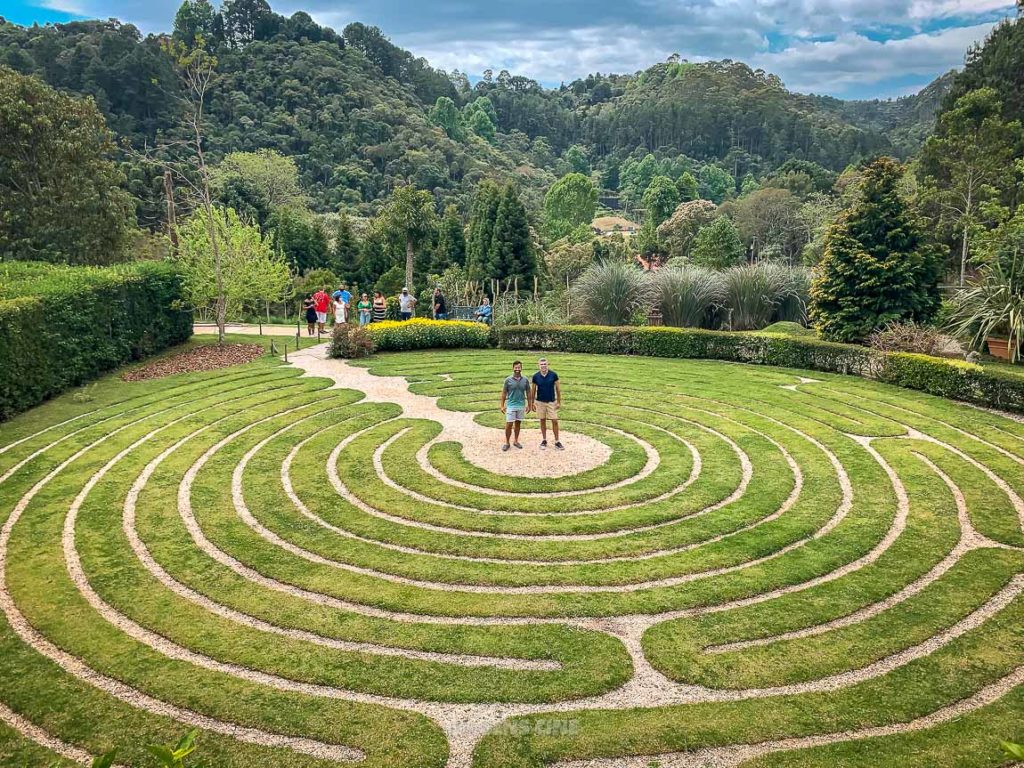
column 321, row 301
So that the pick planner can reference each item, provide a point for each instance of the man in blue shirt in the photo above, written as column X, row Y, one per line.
column 546, row 399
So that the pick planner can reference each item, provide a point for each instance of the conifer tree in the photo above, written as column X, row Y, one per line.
column 511, row 250
column 375, row 257
column 451, row 242
column 481, row 229
column 878, row 266
column 345, row 251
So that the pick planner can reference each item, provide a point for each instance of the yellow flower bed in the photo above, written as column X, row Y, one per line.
column 421, row 333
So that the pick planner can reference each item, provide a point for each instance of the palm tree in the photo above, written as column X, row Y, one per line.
column 409, row 215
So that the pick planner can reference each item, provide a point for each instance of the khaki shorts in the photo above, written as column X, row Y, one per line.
column 546, row 410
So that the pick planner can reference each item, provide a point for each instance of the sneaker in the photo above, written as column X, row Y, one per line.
column 517, row 445
column 504, row 447
column 543, row 445
column 559, row 446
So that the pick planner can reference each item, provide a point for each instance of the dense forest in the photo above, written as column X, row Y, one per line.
column 340, row 156
column 355, row 111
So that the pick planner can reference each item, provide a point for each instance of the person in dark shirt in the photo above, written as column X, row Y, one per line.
column 546, row 400
column 440, row 306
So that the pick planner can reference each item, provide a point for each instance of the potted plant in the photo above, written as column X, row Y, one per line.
column 991, row 310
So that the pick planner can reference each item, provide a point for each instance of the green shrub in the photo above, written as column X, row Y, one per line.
column 790, row 328
column 350, row 341
column 421, row 333
column 62, row 326
column 947, row 378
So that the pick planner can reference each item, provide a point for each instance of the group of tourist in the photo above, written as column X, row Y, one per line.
column 321, row 305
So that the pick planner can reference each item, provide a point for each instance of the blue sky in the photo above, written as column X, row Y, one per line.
column 846, row 48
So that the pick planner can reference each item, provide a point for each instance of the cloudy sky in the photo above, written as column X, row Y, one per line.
column 847, row 48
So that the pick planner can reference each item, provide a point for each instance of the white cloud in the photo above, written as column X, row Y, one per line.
column 926, row 9
column 66, row 6
column 852, row 59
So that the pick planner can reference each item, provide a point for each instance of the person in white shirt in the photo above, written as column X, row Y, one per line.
column 406, row 304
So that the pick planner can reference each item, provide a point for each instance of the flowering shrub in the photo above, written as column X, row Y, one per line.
column 421, row 333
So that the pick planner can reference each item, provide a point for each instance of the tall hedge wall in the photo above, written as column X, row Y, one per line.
column 937, row 376
column 62, row 326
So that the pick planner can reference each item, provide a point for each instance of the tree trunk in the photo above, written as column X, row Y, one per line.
column 408, row 265
column 963, row 258
column 172, row 224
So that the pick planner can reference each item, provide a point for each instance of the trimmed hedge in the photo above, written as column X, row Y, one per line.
column 421, row 333
column 937, row 376
column 62, row 326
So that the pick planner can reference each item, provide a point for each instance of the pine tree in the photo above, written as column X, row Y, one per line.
column 878, row 266
column 511, row 249
column 451, row 242
column 344, row 260
column 481, row 229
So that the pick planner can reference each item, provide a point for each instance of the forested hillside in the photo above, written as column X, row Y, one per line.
column 360, row 115
column 304, row 92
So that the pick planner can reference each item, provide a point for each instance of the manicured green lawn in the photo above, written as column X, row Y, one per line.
column 313, row 578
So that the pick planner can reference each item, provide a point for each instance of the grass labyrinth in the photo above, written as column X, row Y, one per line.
column 768, row 568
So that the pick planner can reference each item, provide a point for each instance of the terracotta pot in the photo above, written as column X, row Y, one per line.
column 999, row 348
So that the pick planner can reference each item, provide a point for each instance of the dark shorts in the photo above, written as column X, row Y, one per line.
column 405, row 315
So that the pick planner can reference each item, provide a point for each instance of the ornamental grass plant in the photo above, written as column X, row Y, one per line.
column 753, row 295
column 611, row 293
column 686, row 295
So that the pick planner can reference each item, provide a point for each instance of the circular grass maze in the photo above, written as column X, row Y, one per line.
column 337, row 565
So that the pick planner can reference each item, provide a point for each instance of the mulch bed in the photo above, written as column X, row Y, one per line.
column 208, row 357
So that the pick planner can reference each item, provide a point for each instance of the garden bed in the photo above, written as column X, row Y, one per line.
column 209, row 357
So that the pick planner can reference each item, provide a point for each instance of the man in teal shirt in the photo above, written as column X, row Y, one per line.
column 516, row 398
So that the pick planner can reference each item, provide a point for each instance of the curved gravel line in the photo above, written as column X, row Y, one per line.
column 732, row 756
column 653, row 460
column 77, row 668
column 187, row 593
column 694, row 473
column 969, row 540
column 34, row 733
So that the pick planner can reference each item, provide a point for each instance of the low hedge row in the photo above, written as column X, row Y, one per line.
column 62, row 326
column 937, row 376
column 421, row 333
